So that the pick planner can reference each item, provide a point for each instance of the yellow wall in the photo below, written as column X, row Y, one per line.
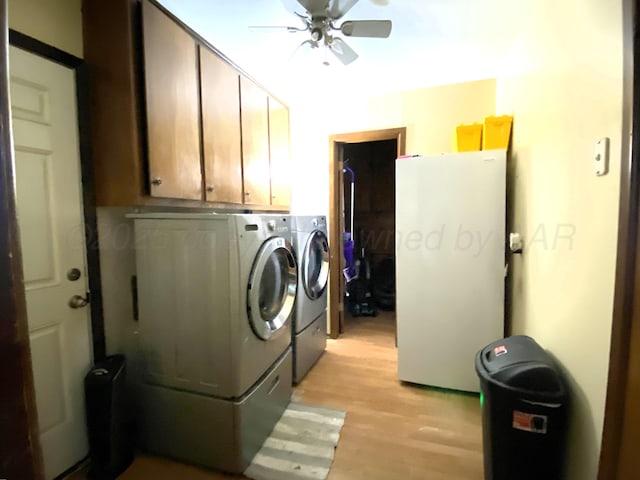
column 565, row 95
column 430, row 115
column 55, row 22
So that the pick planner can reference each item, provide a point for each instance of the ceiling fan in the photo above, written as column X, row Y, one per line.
column 319, row 18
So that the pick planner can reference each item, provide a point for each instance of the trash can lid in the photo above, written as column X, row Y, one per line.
column 512, row 350
column 105, row 370
column 520, row 364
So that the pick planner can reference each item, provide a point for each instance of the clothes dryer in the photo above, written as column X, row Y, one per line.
column 216, row 296
column 310, row 243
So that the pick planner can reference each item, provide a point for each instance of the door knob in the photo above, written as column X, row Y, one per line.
column 157, row 181
column 78, row 302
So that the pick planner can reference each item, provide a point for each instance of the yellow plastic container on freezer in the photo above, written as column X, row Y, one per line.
column 468, row 138
column 496, row 132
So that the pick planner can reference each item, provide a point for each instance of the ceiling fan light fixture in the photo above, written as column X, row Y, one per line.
column 316, row 34
column 318, row 19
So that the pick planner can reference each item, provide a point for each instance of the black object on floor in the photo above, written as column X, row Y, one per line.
column 524, row 411
column 384, row 284
column 110, row 436
column 360, row 301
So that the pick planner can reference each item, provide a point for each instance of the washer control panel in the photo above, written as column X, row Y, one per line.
column 277, row 225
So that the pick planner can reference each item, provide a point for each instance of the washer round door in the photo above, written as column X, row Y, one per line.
column 272, row 288
column 315, row 265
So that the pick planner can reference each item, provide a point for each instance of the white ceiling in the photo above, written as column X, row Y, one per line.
column 433, row 42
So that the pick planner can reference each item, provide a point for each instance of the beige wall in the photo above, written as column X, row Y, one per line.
column 430, row 115
column 55, row 22
column 117, row 267
column 567, row 94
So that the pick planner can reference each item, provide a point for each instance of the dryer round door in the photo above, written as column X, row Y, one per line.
column 315, row 265
column 272, row 288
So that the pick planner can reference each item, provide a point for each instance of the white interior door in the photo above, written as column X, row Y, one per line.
column 50, row 217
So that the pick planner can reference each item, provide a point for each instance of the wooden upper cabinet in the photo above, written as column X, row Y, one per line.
column 109, row 36
column 279, row 154
column 173, row 122
column 255, row 143
column 220, row 90
column 172, row 103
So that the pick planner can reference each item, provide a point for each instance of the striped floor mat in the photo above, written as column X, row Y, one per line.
column 301, row 445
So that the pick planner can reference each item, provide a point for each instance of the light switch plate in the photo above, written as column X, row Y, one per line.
column 515, row 242
column 601, row 157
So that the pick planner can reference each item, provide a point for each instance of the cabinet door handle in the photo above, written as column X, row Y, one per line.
column 210, row 188
column 247, row 194
column 156, row 181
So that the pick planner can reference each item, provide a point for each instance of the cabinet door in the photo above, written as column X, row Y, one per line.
column 173, row 133
column 255, row 143
column 220, row 129
column 279, row 154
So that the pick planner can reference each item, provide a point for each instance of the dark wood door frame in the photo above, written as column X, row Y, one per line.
column 621, row 433
column 20, row 453
column 336, row 224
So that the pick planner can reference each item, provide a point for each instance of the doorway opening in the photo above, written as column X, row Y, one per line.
column 367, row 158
column 55, row 260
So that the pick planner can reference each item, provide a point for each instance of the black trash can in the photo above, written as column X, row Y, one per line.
column 108, row 420
column 524, row 411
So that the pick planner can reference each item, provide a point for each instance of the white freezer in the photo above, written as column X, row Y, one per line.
column 450, row 260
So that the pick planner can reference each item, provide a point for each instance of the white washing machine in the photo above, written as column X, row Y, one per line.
column 216, row 295
column 310, row 243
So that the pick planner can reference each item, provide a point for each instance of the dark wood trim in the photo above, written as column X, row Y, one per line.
column 336, row 142
column 626, row 313
column 33, row 45
column 335, row 227
column 90, row 212
column 20, row 454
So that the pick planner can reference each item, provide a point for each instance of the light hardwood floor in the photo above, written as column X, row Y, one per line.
column 392, row 430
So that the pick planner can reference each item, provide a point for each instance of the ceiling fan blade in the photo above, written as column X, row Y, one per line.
column 280, row 27
column 338, row 8
column 294, row 7
column 303, row 49
column 366, row 28
column 344, row 52
column 314, row 7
